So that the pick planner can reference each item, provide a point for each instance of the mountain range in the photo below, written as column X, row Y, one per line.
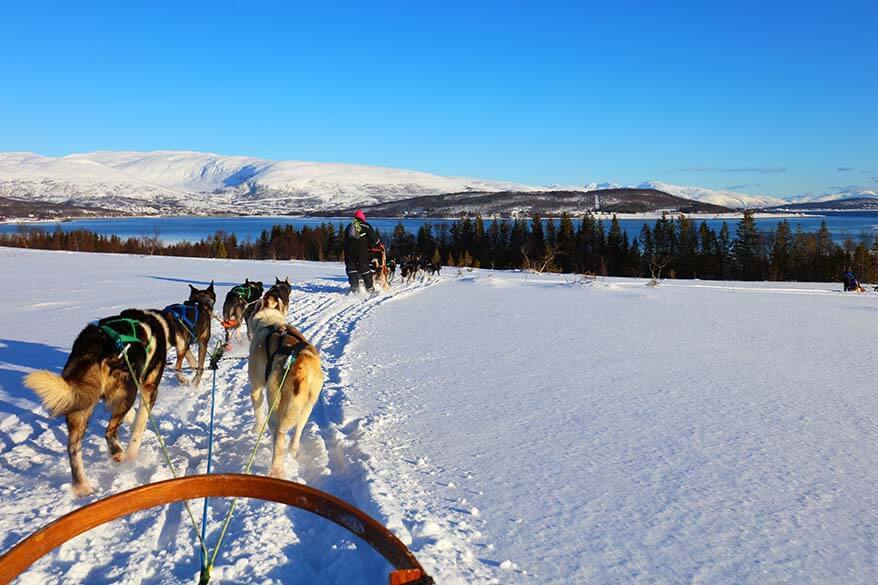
column 177, row 182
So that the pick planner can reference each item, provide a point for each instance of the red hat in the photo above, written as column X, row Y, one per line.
column 360, row 215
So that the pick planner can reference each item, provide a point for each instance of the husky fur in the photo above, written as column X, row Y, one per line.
column 272, row 343
column 237, row 309
column 278, row 296
column 95, row 370
column 181, row 337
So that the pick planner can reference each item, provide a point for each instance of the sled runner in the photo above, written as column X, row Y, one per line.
column 407, row 570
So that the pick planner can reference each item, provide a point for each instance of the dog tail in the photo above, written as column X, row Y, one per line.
column 57, row 395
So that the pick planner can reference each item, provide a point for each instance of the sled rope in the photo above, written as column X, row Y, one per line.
column 205, row 569
column 214, row 363
column 164, row 448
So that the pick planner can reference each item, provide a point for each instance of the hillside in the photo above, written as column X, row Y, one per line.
column 183, row 182
column 547, row 203
column 853, row 204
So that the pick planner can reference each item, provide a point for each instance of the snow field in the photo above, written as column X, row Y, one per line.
column 695, row 432
column 267, row 543
column 510, row 428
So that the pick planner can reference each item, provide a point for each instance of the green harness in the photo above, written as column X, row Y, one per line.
column 245, row 292
column 123, row 338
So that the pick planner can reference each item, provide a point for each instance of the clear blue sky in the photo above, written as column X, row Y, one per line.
column 768, row 97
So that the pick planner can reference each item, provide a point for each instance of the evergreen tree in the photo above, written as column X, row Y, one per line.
column 536, row 241
column 746, row 248
column 425, row 243
column 616, row 255
column 402, row 242
column 724, row 252
column 707, row 263
column 781, row 252
column 688, row 248
column 566, row 248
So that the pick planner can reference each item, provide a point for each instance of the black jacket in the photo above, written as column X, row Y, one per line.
column 359, row 239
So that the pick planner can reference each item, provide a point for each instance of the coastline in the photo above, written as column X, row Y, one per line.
column 604, row 216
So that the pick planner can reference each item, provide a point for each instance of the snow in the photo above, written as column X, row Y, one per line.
column 171, row 181
column 732, row 199
column 509, row 427
column 837, row 194
column 205, row 181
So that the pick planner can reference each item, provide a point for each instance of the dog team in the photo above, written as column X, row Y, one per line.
column 118, row 357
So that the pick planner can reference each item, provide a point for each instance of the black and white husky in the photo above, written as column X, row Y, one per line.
column 109, row 359
column 187, row 323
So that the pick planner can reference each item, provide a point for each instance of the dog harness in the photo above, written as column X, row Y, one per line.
column 186, row 314
column 292, row 352
column 244, row 291
column 123, row 332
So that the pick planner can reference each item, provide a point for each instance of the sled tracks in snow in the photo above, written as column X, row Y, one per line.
column 267, row 543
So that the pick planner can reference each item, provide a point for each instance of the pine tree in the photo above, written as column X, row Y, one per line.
column 536, row 241
column 724, row 252
column 402, row 242
column 566, row 248
column 707, row 262
column 781, row 252
column 746, row 248
column 688, row 245
column 615, row 252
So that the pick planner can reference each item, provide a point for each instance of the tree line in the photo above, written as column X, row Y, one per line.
column 672, row 247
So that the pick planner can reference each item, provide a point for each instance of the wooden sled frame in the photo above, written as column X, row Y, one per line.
column 407, row 569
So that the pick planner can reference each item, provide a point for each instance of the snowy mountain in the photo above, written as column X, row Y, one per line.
column 839, row 195
column 175, row 181
column 731, row 199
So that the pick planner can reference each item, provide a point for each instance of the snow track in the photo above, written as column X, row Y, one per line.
column 267, row 543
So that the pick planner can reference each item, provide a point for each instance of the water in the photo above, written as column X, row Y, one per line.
column 176, row 229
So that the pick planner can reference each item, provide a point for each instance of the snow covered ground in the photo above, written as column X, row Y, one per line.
column 510, row 428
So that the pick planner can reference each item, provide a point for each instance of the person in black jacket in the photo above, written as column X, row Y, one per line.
column 360, row 239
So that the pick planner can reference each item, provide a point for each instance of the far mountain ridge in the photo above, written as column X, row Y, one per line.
column 188, row 182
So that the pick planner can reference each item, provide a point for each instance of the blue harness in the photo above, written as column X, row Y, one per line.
column 186, row 314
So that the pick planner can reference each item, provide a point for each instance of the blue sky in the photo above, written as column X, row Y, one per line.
column 771, row 98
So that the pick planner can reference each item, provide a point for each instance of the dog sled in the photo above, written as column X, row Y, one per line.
column 406, row 568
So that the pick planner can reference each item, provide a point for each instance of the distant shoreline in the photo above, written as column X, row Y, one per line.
column 650, row 215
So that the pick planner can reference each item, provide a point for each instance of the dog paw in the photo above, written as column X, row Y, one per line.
column 257, row 427
column 81, row 490
column 131, row 454
column 277, row 472
column 118, row 457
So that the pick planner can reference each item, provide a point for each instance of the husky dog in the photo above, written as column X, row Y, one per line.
column 391, row 270
column 380, row 270
column 293, row 387
column 277, row 297
column 188, row 323
column 240, row 304
column 97, row 369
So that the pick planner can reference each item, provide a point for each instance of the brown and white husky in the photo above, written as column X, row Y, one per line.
column 277, row 348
